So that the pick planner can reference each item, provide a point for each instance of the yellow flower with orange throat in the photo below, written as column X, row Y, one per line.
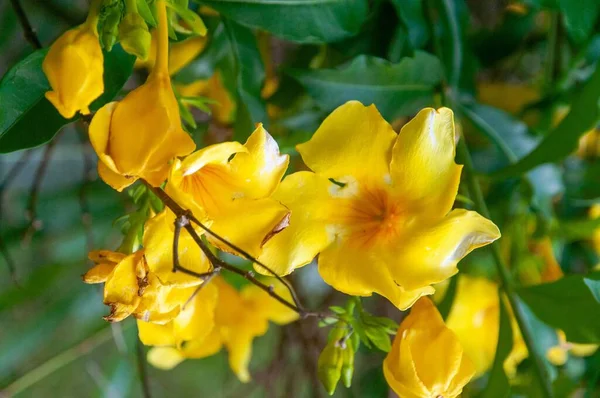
column 139, row 136
column 74, row 67
column 229, row 185
column 378, row 206
column 427, row 359
column 239, row 317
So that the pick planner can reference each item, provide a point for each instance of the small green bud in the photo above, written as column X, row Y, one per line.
column 348, row 366
column 329, row 366
column 135, row 36
column 110, row 28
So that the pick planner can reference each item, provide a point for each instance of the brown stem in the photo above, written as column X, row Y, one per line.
column 142, row 369
column 179, row 211
column 28, row 30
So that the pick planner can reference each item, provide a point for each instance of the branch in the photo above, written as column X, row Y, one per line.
column 31, row 211
column 28, row 30
column 179, row 211
column 142, row 369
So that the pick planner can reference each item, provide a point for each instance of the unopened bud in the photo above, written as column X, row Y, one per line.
column 347, row 367
column 134, row 35
column 329, row 367
column 110, row 28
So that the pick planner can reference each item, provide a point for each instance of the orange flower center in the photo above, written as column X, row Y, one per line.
column 372, row 217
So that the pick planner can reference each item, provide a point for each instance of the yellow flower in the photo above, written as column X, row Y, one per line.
column 426, row 359
column 239, row 317
column 224, row 110
column 551, row 270
column 234, row 195
column 138, row 136
column 181, row 53
column 74, row 67
column 559, row 354
column 385, row 224
column 475, row 319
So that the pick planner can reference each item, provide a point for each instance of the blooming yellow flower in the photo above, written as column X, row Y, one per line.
column 559, row 354
column 138, row 136
column 239, row 317
column 233, row 194
column 385, row 224
column 426, row 359
column 74, row 66
column 475, row 319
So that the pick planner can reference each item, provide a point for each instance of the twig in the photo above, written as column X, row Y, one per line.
column 10, row 176
column 207, row 279
column 31, row 211
column 142, row 369
column 179, row 211
column 28, row 31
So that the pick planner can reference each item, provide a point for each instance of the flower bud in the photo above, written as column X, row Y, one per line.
column 110, row 28
column 138, row 136
column 329, row 366
column 426, row 359
column 135, row 36
column 347, row 366
column 74, row 68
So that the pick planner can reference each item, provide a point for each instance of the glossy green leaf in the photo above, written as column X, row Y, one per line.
column 303, row 21
column 412, row 16
column 563, row 139
column 568, row 304
column 396, row 89
column 579, row 16
column 27, row 118
column 249, row 75
column 498, row 385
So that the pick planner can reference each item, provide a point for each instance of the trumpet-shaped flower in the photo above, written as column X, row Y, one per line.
column 74, row 67
column 233, row 194
column 239, row 317
column 378, row 206
column 427, row 359
column 559, row 354
column 475, row 317
column 139, row 136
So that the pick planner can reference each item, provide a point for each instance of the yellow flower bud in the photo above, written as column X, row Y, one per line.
column 74, row 68
column 329, row 366
column 139, row 136
column 135, row 36
column 426, row 359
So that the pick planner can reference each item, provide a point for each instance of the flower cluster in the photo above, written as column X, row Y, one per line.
column 376, row 207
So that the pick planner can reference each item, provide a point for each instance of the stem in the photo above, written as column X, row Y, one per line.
column 161, row 67
column 143, row 369
column 28, row 30
column 94, row 15
column 550, row 70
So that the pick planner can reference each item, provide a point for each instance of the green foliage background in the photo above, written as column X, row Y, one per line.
column 401, row 55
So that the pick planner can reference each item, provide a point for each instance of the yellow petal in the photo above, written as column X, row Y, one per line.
column 239, row 346
column 183, row 52
column 105, row 256
column 205, row 347
column 582, row 350
column 400, row 372
column 154, row 334
column 122, row 289
column 266, row 306
column 196, row 319
column 98, row 273
column 158, row 244
column 116, row 181
column 307, row 196
column 165, row 358
column 358, row 272
column 249, row 224
column 432, row 253
column 160, row 303
column 217, row 153
column 350, row 138
column 557, row 355
column 261, row 167
column 423, row 170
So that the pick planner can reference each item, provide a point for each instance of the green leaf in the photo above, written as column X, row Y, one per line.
column 563, row 139
column 249, row 75
column 27, row 118
column 411, row 14
column 193, row 20
column 379, row 337
column 573, row 230
column 396, row 89
column 579, row 16
column 302, row 21
column 570, row 304
column 498, row 385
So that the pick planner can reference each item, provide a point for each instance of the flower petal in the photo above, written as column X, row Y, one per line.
column 158, row 244
column 358, row 272
column 432, row 253
column 307, row 196
column 266, row 306
column 154, row 334
column 422, row 168
column 115, row 180
column 217, row 153
column 196, row 319
column 98, row 273
column 165, row 358
column 122, row 289
column 262, row 167
column 248, row 223
column 350, row 138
